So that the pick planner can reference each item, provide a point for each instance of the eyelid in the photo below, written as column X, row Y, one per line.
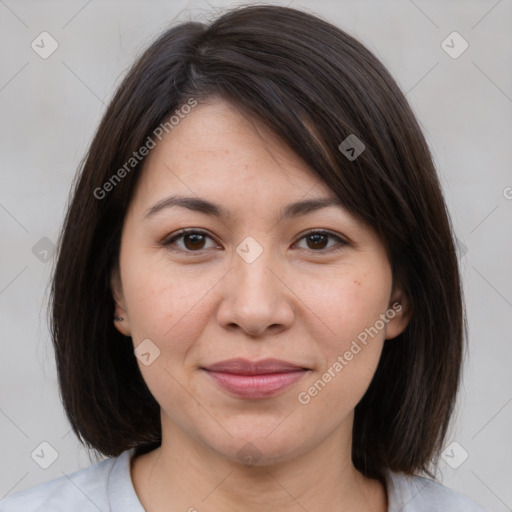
column 169, row 239
column 322, row 231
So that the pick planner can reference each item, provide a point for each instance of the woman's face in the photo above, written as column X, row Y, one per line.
column 252, row 281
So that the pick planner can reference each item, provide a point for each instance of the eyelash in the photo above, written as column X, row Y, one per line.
column 180, row 234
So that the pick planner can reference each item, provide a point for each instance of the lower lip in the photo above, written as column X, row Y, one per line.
column 256, row 386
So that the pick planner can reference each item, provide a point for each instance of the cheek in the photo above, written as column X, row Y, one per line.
column 166, row 306
column 353, row 344
column 350, row 307
column 170, row 309
column 349, row 351
column 349, row 336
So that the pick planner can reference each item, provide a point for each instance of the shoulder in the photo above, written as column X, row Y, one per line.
column 84, row 490
column 419, row 494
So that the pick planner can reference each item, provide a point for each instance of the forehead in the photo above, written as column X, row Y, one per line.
column 217, row 151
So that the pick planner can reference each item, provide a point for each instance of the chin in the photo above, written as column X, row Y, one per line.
column 252, row 448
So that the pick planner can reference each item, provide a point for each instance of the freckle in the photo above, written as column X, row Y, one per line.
column 357, row 282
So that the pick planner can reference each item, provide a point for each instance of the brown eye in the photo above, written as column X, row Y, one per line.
column 189, row 241
column 319, row 240
column 194, row 241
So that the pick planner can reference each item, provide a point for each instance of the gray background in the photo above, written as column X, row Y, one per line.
column 51, row 107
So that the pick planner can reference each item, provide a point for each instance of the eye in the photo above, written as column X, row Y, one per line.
column 193, row 240
column 318, row 240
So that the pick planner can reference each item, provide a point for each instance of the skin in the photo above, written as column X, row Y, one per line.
column 301, row 300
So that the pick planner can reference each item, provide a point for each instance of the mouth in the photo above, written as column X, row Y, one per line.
column 254, row 379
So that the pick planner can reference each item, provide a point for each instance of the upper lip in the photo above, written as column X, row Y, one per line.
column 242, row 366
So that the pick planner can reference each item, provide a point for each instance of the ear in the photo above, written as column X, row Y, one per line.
column 399, row 313
column 123, row 326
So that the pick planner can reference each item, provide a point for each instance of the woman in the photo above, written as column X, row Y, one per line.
column 256, row 303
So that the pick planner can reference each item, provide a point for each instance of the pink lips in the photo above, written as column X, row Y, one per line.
column 255, row 379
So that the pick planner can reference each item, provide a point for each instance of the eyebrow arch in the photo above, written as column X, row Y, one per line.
column 197, row 204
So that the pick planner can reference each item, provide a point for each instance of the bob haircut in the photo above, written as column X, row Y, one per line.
column 312, row 85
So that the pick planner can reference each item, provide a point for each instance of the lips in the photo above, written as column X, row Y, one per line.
column 254, row 379
column 245, row 367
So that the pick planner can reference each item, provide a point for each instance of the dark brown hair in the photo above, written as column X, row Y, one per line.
column 313, row 85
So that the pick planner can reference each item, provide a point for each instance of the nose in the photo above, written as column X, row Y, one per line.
column 256, row 299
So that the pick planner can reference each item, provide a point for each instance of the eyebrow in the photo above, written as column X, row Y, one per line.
column 200, row 205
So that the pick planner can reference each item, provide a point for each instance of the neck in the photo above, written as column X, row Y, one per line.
column 183, row 474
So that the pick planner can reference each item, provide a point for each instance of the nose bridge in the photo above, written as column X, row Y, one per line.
column 255, row 299
column 253, row 278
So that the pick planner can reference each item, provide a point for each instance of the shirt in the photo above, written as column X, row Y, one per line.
column 107, row 486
